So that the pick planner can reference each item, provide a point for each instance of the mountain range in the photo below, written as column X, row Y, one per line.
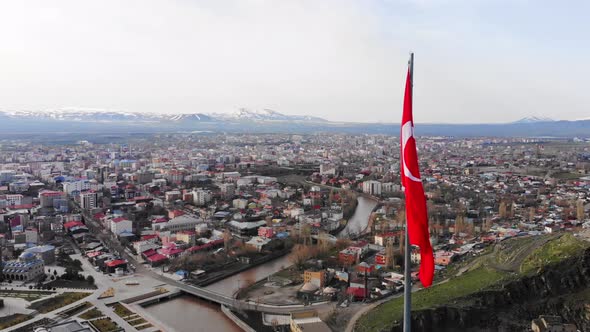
column 94, row 115
column 76, row 120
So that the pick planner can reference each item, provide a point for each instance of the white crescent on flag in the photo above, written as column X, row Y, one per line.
column 407, row 133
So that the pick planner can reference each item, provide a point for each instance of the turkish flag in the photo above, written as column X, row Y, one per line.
column 416, row 212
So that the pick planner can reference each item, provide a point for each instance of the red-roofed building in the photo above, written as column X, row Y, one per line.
column 71, row 224
column 381, row 258
column 357, row 292
column 266, row 232
column 149, row 252
column 171, row 251
column 175, row 213
column 114, row 264
column 148, row 237
column 46, row 197
column 364, row 268
column 20, row 207
column 159, row 220
column 348, row 256
column 206, row 246
column 93, row 254
column 156, row 259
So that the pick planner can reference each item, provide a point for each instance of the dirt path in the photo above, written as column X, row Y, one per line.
column 516, row 259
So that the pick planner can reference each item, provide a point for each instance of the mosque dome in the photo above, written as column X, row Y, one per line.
column 26, row 256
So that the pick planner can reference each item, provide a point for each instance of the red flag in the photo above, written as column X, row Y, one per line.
column 416, row 213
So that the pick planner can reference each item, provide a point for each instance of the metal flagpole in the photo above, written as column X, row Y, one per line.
column 407, row 261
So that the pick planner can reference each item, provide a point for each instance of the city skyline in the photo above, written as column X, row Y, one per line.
column 476, row 62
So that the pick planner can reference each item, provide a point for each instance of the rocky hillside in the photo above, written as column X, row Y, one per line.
column 561, row 289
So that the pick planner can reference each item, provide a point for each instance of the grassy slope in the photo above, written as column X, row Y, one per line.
column 389, row 312
column 480, row 276
column 564, row 247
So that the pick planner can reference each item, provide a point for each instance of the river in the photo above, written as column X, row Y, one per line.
column 188, row 313
column 360, row 219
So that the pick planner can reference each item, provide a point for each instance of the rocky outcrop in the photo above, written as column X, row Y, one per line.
column 561, row 289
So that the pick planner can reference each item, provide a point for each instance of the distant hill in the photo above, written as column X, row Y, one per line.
column 262, row 121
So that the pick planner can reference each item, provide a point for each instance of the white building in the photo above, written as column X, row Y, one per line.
column 240, row 203
column 390, row 187
column 327, row 169
column 120, row 225
column 258, row 242
column 227, row 189
column 372, row 187
column 228, row 176
column 76, row 186
column 201, row 197
column 31, row 235
column 15, row 199
column 180, row 223
column 88, row 200
column 141, row 246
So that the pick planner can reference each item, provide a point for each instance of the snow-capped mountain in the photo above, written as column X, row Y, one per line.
column 263, row 115
column 97, row 115
column 534, row 119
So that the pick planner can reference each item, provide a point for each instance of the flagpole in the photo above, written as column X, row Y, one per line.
column 407, row 261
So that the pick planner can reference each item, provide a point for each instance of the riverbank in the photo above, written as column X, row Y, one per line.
column 229, row 271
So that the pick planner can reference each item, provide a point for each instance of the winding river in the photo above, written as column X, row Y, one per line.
column 188, row 313
column 360, row 219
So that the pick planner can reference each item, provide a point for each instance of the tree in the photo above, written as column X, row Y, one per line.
column 306, row 233
column 77, row 263
column 300, row 254
column 401, row 216
column 390, row 262
column 459, row 224
column 90, row 279
column 227, row 238
column 580, row 210
column 342, row 244
column 502, row 209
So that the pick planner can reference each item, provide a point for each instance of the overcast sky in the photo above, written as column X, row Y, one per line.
column 476, row 60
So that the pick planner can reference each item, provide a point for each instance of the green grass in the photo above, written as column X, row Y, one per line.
column 386, row 314
column 553, row 251
column 92, row 313
column 105, row 325
column 11, row 320
column 61, row 300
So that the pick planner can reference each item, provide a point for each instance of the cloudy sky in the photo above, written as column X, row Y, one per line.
column 476, row 60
